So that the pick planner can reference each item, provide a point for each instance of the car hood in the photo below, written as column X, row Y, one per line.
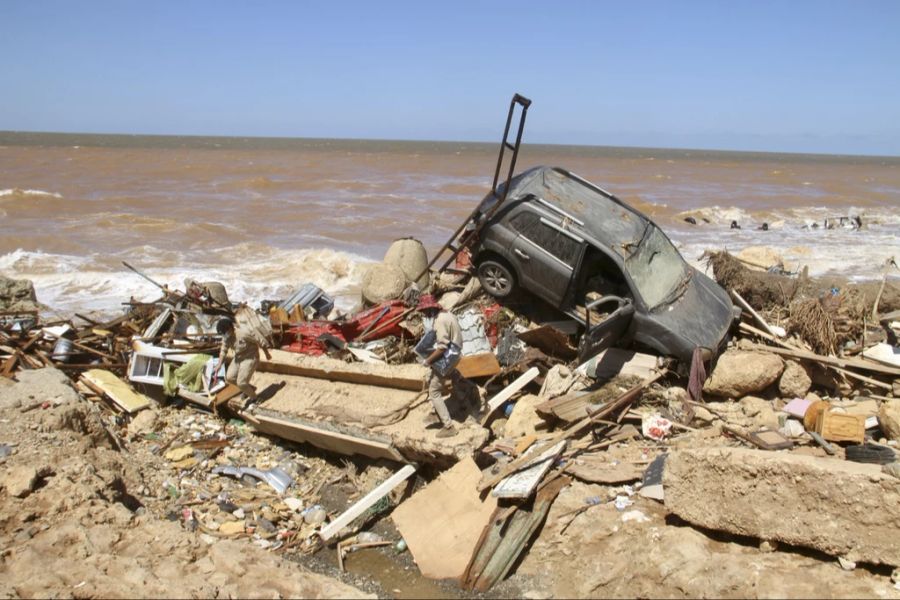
column 701, row 316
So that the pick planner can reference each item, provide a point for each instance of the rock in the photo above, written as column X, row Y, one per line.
column 838, row 507
column 143, row 422
column 889, row 419
column 892, row 469
column 17, row 294
column 741, row 372
column 498, row 427
column 559, row 380
column 39, row 385
column 382, row 282
column 759, row 411
column 232, row 528
column 20, row 481
column 702, row 415
column 295, row 504
column 795, row 381
column 524, row 419
column 760, row 258
column 410, row 256
column 449, row 300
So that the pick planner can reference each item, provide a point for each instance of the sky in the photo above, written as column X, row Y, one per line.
column 787, row 75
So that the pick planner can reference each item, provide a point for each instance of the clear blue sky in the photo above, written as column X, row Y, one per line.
column 786, row 75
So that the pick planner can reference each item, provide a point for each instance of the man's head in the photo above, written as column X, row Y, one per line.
column 224, row 326
column 428, row 306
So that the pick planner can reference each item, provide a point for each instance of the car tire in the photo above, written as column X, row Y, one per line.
column 871, row 453
column 496, row 278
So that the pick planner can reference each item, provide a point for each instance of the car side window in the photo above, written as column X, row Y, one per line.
column 555, row 242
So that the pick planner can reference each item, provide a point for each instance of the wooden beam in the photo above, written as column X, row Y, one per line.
column 367, row 501
column 509, row 391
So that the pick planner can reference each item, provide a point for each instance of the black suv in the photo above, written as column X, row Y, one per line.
column 601, row 262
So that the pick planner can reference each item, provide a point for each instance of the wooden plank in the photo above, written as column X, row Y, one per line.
column 509, row 391
column 442, row 522
column 773, row 331
column 116, row 390
column 405, row 377
column 349, row 515
column 296, row 430
column 479, row 365
column 505, row 538
column 522, row 483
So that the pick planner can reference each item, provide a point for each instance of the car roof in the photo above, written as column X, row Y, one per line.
column 582, row 206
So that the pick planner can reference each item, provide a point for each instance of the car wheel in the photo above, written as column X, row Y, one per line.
column 871, row 453
column 496, row 278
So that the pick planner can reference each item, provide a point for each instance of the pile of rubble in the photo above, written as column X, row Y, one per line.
column 790, row 439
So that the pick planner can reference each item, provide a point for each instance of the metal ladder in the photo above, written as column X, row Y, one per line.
column 468, row 231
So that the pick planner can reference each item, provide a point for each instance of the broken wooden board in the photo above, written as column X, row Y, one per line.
column 366, row 502
column 615, row 361
column 598, row 468
column 550, row 341
column 509, row 391
column 322, row 436
column 479, row 365
column 441, row 523
column 116, row 390
column 522, row 483
column 403, row 377
column 504, row 539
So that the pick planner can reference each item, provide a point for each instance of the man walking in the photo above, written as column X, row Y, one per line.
column 246, row 357
column 443, row 360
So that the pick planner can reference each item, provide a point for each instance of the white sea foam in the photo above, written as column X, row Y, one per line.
column 20, row 192
column 99, row 283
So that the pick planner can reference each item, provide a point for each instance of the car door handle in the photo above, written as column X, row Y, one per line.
column 521, row 254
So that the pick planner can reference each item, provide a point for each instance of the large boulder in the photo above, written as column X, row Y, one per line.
column 409, row 254
column 17, row 294
column 795, row 381
column 383, row 282
column 889, row 419
column 524, row 420
column 741, row 372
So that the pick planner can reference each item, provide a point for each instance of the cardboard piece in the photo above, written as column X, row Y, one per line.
column 615, row 361
column 442, row 522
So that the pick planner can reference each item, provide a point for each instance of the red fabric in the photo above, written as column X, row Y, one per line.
column 354, row 327
column 303, row 338
column 491, row 330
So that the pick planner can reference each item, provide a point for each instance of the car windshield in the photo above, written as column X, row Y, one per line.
column 656, row 267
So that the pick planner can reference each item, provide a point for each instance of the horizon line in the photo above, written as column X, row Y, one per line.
column 412, row 141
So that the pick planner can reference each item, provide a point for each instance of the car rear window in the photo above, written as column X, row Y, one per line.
column 555, row 242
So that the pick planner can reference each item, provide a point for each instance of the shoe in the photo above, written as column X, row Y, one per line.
column 446, row 432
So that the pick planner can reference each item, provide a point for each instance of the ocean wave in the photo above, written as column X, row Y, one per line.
column 25, row 193
column 250, row 272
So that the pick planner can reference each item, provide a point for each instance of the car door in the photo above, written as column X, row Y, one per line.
column 546, row 256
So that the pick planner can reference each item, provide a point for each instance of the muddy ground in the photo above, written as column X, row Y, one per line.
column 92, row 506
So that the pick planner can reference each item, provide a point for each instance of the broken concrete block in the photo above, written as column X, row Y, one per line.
column 838, row 507
column 795, row 381
column 410, row 256
column 144, row 422
column 741, row 372
column 524, row 418
column 889, row 419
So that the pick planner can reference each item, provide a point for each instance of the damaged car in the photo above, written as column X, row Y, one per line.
column 602, row 263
